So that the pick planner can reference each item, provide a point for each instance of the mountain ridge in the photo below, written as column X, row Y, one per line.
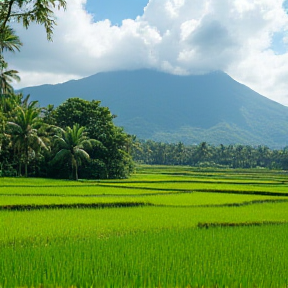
column 171, row 108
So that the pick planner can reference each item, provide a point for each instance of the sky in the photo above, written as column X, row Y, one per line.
column 247, row 39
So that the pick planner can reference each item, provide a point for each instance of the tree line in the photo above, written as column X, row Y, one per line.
column 205, row 155
column 76, row 139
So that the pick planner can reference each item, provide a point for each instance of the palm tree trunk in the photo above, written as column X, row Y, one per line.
column 26, row 160
column 26, row 169
column 74, row 168
column 76, row 171
column 19, row 169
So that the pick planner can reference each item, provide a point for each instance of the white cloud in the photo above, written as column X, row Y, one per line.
column 177, row 36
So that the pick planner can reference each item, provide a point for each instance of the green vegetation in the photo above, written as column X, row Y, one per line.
column 211, row 107
column 71, row 145
column 33, row 137
column 167, row 258
column 173, row 239
column 79, row 139
column 164, row 227
column 205, row 155
column 48, row 145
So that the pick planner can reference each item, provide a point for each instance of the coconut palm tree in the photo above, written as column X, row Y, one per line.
column 203, row 152
column 29, row 11
column 24, row 133
column 72, row 144
column 9, row 41
column 6, row 78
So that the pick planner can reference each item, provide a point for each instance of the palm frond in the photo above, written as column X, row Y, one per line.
column 62, row 154
column 9, row 40
column 82, row 154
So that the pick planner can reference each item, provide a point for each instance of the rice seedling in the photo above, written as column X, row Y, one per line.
column 202, row 228
column 21, row 225
column 220, row 257
column 162, row 199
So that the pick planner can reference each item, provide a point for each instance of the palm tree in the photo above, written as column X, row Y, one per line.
column 203, row 151
column 72, row 145
column 24, row 132
column 29, row 11
column 7, row 77
column 9, row 41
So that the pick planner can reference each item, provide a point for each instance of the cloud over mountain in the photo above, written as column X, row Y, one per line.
column 176, row 36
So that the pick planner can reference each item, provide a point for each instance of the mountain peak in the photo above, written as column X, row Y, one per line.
column 171, row 108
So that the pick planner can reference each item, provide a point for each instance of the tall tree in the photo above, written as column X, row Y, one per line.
column 73, row 144
column 6, row 79
column 24, row 131
column 203, row 152
column 99, row 125
column 28, row 11
column 25, row 11
column 9, row 42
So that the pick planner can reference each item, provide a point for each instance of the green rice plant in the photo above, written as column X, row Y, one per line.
column 208, row 174
column 54, row 200
column 208, row 199
column 147, row 246
column 12, row 181
column 243, row 257
column 20, row 226
column 206, row 186
column 90, row 190
column 175, row 199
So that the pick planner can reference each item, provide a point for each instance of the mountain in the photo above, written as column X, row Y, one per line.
column 171, row 108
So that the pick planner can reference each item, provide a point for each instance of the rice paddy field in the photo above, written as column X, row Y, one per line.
column 163, row 227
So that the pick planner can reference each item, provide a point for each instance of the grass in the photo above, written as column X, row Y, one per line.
column 175, row 199
column 86, row 222
column 181, row 186
column 166, row 258
column 162, row 244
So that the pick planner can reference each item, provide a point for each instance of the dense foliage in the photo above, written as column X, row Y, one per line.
column 44, row 142
column 77, row 139
column 111, row 159
column 205, row 155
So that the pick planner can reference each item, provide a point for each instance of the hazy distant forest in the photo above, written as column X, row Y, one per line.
column 79, row 138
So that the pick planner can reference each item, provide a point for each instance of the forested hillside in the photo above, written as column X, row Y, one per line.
column 170, row 108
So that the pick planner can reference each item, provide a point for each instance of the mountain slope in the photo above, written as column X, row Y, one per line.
column 155, row 105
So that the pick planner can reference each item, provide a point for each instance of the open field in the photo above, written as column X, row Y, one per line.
column 148, row 231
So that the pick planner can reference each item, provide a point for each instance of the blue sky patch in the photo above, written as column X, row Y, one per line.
column 278, row 45
column 285, row 5
column 116, row 10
